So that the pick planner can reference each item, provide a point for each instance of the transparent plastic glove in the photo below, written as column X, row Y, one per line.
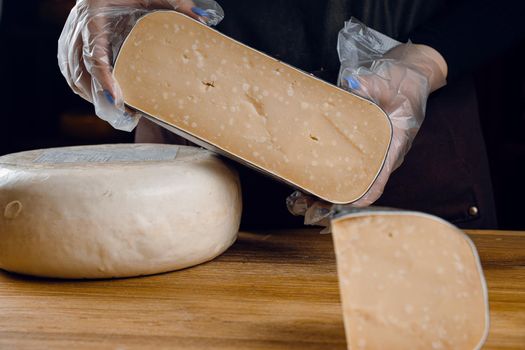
column 399, row 78
column 91, row 38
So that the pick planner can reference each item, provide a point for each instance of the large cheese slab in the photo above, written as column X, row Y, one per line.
column 115, row 210
column 222, row 94
column 409, row 281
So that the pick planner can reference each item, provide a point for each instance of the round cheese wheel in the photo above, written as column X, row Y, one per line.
column 115, row 210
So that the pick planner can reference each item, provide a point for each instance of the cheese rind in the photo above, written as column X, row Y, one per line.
column 409, row 281
column 255, row 109
column 115, row 210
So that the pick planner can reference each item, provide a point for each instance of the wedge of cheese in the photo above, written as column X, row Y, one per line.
column 409, row 281
column 233, row 99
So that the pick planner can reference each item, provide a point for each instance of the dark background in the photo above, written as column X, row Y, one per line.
column 38, row 109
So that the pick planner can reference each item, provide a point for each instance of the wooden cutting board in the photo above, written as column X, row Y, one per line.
column 271, row 290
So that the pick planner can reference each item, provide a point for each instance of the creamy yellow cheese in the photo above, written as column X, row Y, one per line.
column 409, row 281
column 276, row 118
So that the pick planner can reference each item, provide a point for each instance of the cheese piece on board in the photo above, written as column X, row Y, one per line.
column 409, row 281
column 222, row 94
column 115, row 210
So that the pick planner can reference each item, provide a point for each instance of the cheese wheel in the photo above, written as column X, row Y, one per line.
column 409, row 281
column 115, row 210
column 235, row 100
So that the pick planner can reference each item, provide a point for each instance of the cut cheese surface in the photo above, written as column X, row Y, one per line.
column 115, row 210
column 204, row 85
column 409, row 281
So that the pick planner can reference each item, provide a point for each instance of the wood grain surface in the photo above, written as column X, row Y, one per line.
column 271, row 290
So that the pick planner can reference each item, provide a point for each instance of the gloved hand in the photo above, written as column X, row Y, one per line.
column 91, row 38
column 399, row 78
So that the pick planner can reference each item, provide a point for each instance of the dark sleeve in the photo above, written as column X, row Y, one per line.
column 472, row 32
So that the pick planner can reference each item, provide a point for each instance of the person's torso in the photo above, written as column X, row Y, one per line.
column 304, row 33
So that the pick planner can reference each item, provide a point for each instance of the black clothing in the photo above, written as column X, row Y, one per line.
column 471, row 32
column 304, row 33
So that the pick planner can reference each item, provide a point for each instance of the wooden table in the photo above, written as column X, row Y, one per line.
column 274, row 290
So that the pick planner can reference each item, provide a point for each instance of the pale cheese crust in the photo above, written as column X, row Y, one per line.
column 115, row 210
